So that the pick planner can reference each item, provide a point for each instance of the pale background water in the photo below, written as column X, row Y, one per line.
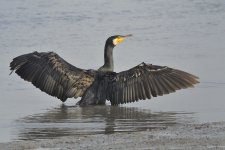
column 184, row 34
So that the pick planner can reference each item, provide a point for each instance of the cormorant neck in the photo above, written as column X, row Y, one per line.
column 108, row 58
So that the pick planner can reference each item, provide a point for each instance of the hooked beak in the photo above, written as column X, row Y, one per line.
column 120, row 38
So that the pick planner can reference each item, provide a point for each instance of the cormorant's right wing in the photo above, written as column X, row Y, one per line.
column 53, row 75
column 143, row 82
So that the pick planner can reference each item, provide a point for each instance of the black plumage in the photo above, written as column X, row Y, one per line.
column 53, row 75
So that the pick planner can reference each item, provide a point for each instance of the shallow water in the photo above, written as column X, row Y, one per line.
column 65, row 121
column 186, row 34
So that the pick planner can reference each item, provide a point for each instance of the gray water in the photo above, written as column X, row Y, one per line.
column 184, row 34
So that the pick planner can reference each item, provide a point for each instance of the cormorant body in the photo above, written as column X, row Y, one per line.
column 53, row 75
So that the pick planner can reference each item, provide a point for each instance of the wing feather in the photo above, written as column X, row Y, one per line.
column 144, row 81
column 53, row 75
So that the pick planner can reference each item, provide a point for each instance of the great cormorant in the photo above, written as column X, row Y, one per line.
column 53, row 75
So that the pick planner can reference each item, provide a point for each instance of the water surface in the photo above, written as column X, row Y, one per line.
column 76, row 121
column 183, row 34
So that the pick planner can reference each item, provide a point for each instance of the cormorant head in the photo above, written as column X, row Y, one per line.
column 116, row 39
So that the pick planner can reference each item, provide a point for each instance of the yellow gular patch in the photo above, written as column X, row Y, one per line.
column 118, row 40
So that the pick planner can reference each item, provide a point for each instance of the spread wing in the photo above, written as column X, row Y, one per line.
column 143, row 82
column 53, row 75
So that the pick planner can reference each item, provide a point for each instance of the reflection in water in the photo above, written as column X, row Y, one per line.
column 65, row 121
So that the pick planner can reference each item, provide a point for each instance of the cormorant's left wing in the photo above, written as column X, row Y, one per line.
column 143, row 82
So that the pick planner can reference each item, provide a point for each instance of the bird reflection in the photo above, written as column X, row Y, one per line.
column 75, row 121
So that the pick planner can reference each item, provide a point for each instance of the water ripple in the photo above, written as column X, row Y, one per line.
column 65, row 121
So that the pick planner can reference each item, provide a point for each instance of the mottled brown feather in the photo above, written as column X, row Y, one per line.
column 53, row 75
